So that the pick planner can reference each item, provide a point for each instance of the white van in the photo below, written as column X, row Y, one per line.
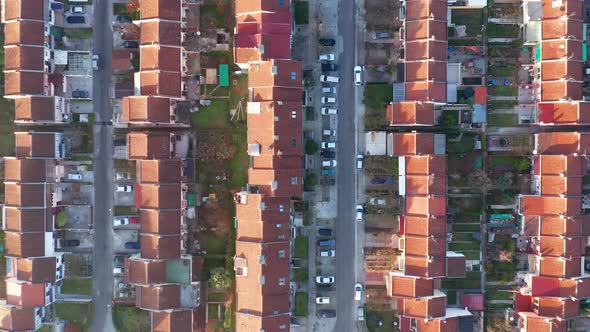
column 331, row 89
column 328, row 100
column 361, row 313
column 329, row 163
column 327, row 57
column 328, row 145
column 329, row 132
column 329, row 79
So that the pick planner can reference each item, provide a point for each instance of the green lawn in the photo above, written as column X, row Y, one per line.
column 471, row 18
column 77, row 286
column 300, row 304
column 79, row 313
column 463, row 237
column 216, row 297
column 6, row 127
column 124, row 210
column 79, row 33
column 503, row 90
column 377, row 96
column 502, row 30
column 301, row 247
column 386, row 317
column 504, row 160
column 586, row 179
column 501, row 104
column 214, row 244
column 130, row 318
column 465, row 145
column 214, row 116
column 210, row 15
column 466, row 227
column 502, row 120
column 451, row 297
column 459, row 246
column 301, row 12
column 237, row 167
column 499, row 295
column 301, row 275
column 213, row 310
column 503, row 70
column 472, row 255
column 461, row 284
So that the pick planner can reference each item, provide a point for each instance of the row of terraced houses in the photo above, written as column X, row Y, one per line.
column 275, row 175
column 554, row 221
column 165, row 276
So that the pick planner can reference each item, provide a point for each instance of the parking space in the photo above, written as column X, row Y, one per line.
column 72, row 241
column 78, row 217
column 78, row 265
column 78, row 87
column 78, row 173
column 121, row 289
column 126, row 222
column 79, row 16
column 123, row 197
column 76, row 193
column 122, row 236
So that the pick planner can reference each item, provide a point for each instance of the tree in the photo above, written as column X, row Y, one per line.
column 505, row 181
column 311, row 147
column 220, row 279
column 133, row 6
column 61, row 219
column 522, row 165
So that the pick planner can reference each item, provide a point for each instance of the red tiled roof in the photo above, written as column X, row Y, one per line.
column 152, row 109
column 558, row 28
column 561, row 48
column 25, row 295
column 423, row 9
column 36, row 270
column 260, row 217
column 425, row 246
column 160, row 171
column 426, row 29
column 564, row 113
column 263, row 36
column 562, row 69
column 407, row 286
column 423, row 307
column 23, row 33
column 262, row 277
column 160, row 32
column 163, row 297
column 430, row 50
column 481, row 95
column 157, row 57
column 273, row 323
column 571, row 8
column 555, row 287
column 425, row 267
column 160, row 221
column 159, row 83
column 426, row 71
column 35, row 108
column 438, row 325
column 177, row 321
column 17, row 319
column 163, row 9
column 24, row 10
column 565, row 143
column 154, row 246
column 410, row 113
column 34, row 145
column 275, row 73
column 146, row 272
column 24, row 58
column 413, row 143
column 148, row 145
column 24, row 83
column 424, row 226
column 426, row 91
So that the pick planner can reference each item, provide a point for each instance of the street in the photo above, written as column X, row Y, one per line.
column 346, row 227
column 103, row 170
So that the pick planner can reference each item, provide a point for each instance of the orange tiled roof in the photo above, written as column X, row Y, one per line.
column 272, row 323
column 34, row 145
column 148, row 145
column 561, row 247
column 160, row 221
column 24, row 10
column 565, row 143
column 260, row 217
column 423, row 307
column 550, row 205
column 407, row 286
column 160, row 32
column 275, row 73
column 561, row 69
column 24, row 58
column 160, row 171
column 426, row 71
column 155, row 246
column 559, row 267
column 157, row 57
column 27, row 170
column 410, row 113
column 425, row 226
column 24, row 83
column 557, row 307
column 163, row 297
column 564, row 112
column 160, row 196
column 177, row 321
column 25, row 219
column 152, row 109
column 424, row 9
column 144, row 272
column 426, row 206
column 23, row 33
column 426, row 50
column 558, row 28
column 35, row 108
column 163, row 9
column 574, row 9
column 561, row 48
column 160, row 83
column 17, row 319
column 426, row 29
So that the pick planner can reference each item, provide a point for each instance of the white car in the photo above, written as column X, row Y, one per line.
column 359, row 212
column 75, row 176
column 78, row 9
column 95, row 62
column 124, row 189
column 121, row 221
column 329, row 89
column 329, row 111
column 329, row 79
column 328, row 145
column 328, row 100
column 328, row 253
column 324, row 279
column 327, row 57
column 359, row 161
column 123, row 176
column 329, row 132
column 358, row 75
column 322, row 300
column 117, row 270
column 329, row 163
column 358, row 291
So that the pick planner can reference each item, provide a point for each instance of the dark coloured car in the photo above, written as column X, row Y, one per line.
column 131, row 245
column 70, row 243
column 123, row 19
column 327, row 243
column 325, row 232
column 327, row 313
column 80, row 94
column 328, row 153
column 130, row 44
column 327, row 42
column 329, row 67
column 56, row 6
column 119, row 259
column 76, row 19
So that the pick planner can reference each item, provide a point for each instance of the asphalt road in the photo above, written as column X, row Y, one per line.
column 103, row 170
column 345, row 225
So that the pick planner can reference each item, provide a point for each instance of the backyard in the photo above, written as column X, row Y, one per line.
column 77, row 313
column 77, row 286
column 380, row 321
column 301, row 304
column 471, row 18
column 502, row 30
column 502, row 119
column 376, row 98
column 130, row 318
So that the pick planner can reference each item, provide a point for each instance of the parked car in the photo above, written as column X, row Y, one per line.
column 328, row 153
column 380, row 35
column 327, row 313
column 122, row 221
column 329, row 132
column 322, row 300
column 56, row 6
column 329, row 79
column 119, row 259
column 329, row 111
column 123, row 19
column 361, row 313
column 124, row 189
column 329, row 172
column 95, row 64
column 328, row 145
column 329, row 89
column 358, row 75
column 122, row 176
column 80, row 94
column 74, row 176
column 359, row 212
column 328, row 253
column 327, row 57
column 130, row 44
column 327, row 243
column 131, row 245
column 328, row 100
column 76, row 19
column 324, row 279
column 358, row 291
column 359, row 161
column 117, row 270
column 325, row 232
column 329, row 67
column 327, row 41
column 329, row 163
column 78, row 9
column 69, row 243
